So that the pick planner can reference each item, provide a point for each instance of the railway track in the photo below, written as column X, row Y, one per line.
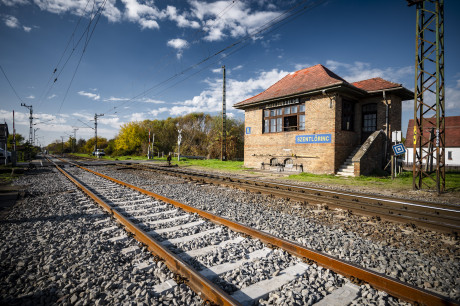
column 436, row 216
column 170, row 229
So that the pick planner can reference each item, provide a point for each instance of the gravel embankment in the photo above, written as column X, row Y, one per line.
column 53, row 252
column 423, row 258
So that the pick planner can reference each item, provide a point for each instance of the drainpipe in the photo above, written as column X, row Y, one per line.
column 386, row 124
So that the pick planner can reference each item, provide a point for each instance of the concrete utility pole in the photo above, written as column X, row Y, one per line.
column 74, row 144
column 62, row 145
column 30, row 120
column 95, row 129
column 35, row 130
column 223, row 155
column 179, row 140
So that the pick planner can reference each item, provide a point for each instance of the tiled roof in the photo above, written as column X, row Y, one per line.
column 375, row 84
column 301, row 81
column 452, row 131
column 319, row 77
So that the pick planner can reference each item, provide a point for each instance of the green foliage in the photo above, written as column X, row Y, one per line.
column 19, row 141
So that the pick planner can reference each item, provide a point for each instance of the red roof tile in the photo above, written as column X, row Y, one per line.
column 375, row 84
column 301, row 81
column 452, row 131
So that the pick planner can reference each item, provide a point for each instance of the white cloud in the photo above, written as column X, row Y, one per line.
column 180, row 19
column 179, row 44
column 148, row 100
column 137, row 117
column 27, row 29
column 453, row 97
column 14, row 2
column 89, row 95
column 359, row 71
column 210, row 100
column 144, row 14
column 30, row 97
column 238, row 20
column 239, row 67
column 52, row 96
column 114, row 99
column 11, row 21
column 156, row 112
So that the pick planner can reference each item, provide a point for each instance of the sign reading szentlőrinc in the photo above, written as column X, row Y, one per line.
column 317, row 138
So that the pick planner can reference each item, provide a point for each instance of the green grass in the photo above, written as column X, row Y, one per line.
column 204, row 163
column 402, row 181
column 5, row 175
column 211, row 164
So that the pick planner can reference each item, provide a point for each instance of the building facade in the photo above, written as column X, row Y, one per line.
column 452, row 141
column 312, row 120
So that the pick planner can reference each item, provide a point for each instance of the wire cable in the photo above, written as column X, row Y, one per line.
column 11, row 85
column 271, row 23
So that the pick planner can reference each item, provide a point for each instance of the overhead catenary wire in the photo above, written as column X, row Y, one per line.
column 11, row 85
column 88, row 38
column 56, row 67
column 271, row 23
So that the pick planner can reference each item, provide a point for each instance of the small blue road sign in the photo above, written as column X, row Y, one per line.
column 248, row 130
column 399, row 149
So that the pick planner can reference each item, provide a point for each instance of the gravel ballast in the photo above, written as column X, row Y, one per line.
column 54, row 248
column 423, row 258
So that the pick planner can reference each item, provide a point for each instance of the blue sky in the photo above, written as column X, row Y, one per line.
column 155, row 59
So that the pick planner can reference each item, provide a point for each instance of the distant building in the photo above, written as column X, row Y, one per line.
column 452, row 145
column 312, row 120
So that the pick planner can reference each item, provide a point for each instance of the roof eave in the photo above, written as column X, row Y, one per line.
column 337, row 86
column 403, row 92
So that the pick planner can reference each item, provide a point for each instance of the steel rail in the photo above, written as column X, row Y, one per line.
column 201, row 285
column 377, row 280
column 436, row 218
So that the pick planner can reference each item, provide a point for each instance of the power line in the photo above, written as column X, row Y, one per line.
column 88, row 38
column 11, row 85
column 62, row 56
column 271, row 23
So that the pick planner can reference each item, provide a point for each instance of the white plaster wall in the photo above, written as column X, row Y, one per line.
column 455, row 161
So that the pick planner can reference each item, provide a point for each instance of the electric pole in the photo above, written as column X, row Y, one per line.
column 35, row 130
column 95, row 129
column 179, row 140
column 223, row 155
column 74, row 144
column 30, row 120
column 429, row 98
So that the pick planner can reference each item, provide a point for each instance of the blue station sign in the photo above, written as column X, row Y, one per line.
column 248, row 130
column 317, row 138
column 399, row 149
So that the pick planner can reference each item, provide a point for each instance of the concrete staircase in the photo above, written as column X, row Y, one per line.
column 347, row 169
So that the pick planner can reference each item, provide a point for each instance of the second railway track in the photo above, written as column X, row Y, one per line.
column 177, row 232
column 438, row 216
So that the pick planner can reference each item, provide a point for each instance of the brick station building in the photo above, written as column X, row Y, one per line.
column 314, row 121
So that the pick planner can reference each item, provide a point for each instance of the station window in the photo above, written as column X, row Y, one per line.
column 274, row 162
column 348, row 115
column 449, row 155
column 370, row 117
column 284, row 119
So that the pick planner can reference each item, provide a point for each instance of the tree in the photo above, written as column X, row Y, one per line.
column 19, row 141
column 130, row 138
column 90, row 143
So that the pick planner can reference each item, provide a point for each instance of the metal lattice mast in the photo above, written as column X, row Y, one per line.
column 429, row 99
column 31, row 118
column 95, row 129
column 224, row 119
